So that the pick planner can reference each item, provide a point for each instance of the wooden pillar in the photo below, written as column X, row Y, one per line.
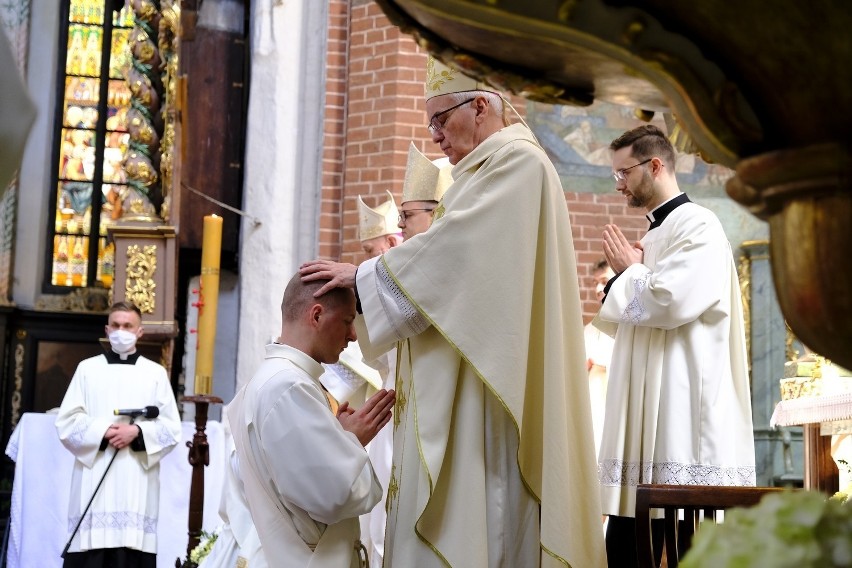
column 820, row 470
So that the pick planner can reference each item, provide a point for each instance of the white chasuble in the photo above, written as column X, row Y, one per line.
column 678, row 407
column 306, row 479
column 493, row 462
column 124, row 512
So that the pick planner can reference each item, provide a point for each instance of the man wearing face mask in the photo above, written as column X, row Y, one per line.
column 120, row 527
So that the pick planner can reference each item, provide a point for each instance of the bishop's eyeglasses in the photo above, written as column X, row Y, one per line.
column 405, row 215
column 619, row 174
column 435, row 125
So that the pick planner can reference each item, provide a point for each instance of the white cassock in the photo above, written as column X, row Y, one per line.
column 124, row 512
column 493, row 458
column 678, row 407
column 599, row 352
column 306, row 479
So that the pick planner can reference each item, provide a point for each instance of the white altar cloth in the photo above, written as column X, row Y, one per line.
column 39, row 513
column 811, row 410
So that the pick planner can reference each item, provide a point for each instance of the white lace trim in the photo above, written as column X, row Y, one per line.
column 411, row 316
column 115, row 520
column 77, row 436
column 635, row 310
column 346, row 375
column 613, row 472
column 164, row 436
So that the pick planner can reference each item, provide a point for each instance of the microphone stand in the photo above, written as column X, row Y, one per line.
column 89, row 504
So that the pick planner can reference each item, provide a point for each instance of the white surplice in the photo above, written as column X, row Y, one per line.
column 124, row 512
column 306, row 479
column 678, row 407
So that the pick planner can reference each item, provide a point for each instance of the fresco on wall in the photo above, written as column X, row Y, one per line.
column 577, row 141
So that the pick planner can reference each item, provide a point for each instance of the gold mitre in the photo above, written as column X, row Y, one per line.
column 377, row 222
column 425, row 180
column 443, row 80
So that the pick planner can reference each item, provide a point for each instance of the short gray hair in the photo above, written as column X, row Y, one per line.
column 494, row 100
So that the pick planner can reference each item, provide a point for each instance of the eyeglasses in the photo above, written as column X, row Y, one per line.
column 407, row 214
column 619, row 174
column 435, row 125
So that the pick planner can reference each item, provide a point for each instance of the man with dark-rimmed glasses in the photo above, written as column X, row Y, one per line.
column 678, row 409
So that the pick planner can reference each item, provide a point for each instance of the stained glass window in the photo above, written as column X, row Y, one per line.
column 90, row 143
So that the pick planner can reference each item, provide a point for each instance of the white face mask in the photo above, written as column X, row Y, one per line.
column 122, row 341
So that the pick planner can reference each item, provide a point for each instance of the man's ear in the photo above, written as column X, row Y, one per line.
column 314, row 314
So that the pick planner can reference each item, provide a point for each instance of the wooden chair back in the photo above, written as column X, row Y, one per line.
column 692, row 500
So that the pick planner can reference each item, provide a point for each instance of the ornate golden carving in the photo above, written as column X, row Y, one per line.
column 81, row 300
column 790, row 351
column 19, row 383
column 140, row 286
column 169, row 46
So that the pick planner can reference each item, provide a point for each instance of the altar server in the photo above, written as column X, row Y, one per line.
column 678, row 407
column 120, row 527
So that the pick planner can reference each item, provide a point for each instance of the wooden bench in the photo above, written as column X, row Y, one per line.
column 691, row 500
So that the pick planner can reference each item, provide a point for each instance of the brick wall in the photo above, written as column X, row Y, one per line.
column 375, row 107
column 334, row 130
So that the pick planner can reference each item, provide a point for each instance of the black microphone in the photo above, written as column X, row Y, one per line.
column 147, row 412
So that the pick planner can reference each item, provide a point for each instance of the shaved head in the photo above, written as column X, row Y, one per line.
column 299, row 296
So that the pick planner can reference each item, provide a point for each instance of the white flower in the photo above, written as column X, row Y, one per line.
column 796, row 529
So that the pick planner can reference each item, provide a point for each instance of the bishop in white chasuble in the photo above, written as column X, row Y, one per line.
column 493, row 461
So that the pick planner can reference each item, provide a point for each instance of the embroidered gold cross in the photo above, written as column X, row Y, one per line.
column 393, row 489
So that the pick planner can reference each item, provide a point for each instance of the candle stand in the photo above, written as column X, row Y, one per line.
column 199, row 458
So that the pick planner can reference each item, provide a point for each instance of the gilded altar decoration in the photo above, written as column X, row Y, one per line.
column 143, row 196
column 140, row 286
column 19, row 378
column 168, row 44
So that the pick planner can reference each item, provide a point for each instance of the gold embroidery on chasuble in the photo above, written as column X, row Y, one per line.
column 399, row 405
column 393, row 490
column 438, row 212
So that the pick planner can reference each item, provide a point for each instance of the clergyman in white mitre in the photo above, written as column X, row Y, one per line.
column 351, row 379
column 377, row 228
column 425, row 183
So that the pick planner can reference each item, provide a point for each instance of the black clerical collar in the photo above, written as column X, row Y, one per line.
column 658, row 215
column 114, row 358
